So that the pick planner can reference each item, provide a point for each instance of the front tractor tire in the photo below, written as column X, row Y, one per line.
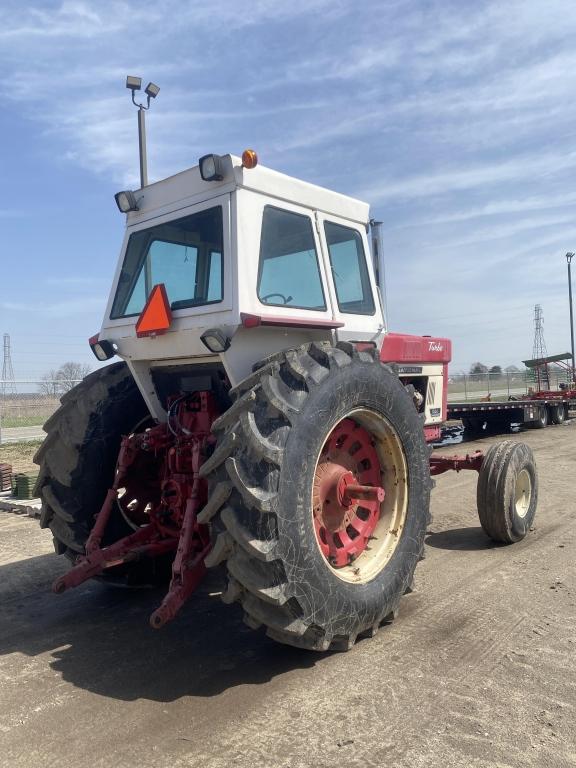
column 311, row 562
column 77, row 461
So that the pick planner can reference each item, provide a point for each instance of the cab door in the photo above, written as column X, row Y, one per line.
column 351, row 280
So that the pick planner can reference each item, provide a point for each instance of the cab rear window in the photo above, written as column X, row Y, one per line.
column 185, row 255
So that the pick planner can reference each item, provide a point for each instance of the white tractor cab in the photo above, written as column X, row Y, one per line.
column 248, row 255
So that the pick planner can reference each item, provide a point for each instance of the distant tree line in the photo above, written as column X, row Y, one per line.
column 60, row 380
column 494, row 370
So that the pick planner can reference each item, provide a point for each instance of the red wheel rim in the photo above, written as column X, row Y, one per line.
column 347, row 493
column 140, row 493
column 140, row 489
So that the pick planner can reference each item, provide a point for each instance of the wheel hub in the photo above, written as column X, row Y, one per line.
column 523, row 493
column 347, row 493
column 140, row 489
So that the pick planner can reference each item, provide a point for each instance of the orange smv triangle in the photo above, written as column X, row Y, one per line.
column 156, row 315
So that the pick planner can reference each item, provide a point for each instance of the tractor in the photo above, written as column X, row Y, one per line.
column 261, row 419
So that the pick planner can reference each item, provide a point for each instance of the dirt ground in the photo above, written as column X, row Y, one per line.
column 478, row 669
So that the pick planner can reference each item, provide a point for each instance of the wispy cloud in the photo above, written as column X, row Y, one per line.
column 72, row 19
column 508, row 208
column 458, row 179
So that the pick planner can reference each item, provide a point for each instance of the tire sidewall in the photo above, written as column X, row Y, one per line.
column 544, row 418
column 558, row 414
column 519, row 526
column 324, row 597
column 116, row 406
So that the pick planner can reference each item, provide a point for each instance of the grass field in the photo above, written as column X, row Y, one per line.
column 20, row 455
column 28, row 420
column 27, row 410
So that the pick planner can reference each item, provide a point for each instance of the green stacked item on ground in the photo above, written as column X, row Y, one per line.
column 23, row 485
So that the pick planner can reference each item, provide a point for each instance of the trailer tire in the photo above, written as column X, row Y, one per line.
column 558, row 413
column 507, row 491
column 77, row 461
column 270, row 454
column 543, row 419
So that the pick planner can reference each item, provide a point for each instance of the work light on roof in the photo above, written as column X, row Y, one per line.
column 126, row 201
column 211, row 167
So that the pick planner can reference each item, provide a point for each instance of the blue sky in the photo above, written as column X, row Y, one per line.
column 455, row 120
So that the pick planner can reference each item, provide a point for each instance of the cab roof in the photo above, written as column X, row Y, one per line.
column 188, row 187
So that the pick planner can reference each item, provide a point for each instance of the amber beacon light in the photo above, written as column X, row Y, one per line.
column 249, row 159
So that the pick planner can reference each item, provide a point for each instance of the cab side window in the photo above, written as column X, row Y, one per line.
column 289, row 273
column 349, row 270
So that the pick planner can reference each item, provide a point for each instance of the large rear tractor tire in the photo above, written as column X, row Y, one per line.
column 312, row 567
column 507, row 491
column 77, row 462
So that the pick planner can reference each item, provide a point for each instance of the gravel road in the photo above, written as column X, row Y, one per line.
column 18, row 434
column 478, row 669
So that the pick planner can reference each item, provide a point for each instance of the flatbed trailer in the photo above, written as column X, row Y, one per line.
column 537, row 413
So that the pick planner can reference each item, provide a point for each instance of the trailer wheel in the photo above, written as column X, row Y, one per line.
column 507, row 491
column 558, row 413
column 77, row 461
column 542, row 420
column 313, row 569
